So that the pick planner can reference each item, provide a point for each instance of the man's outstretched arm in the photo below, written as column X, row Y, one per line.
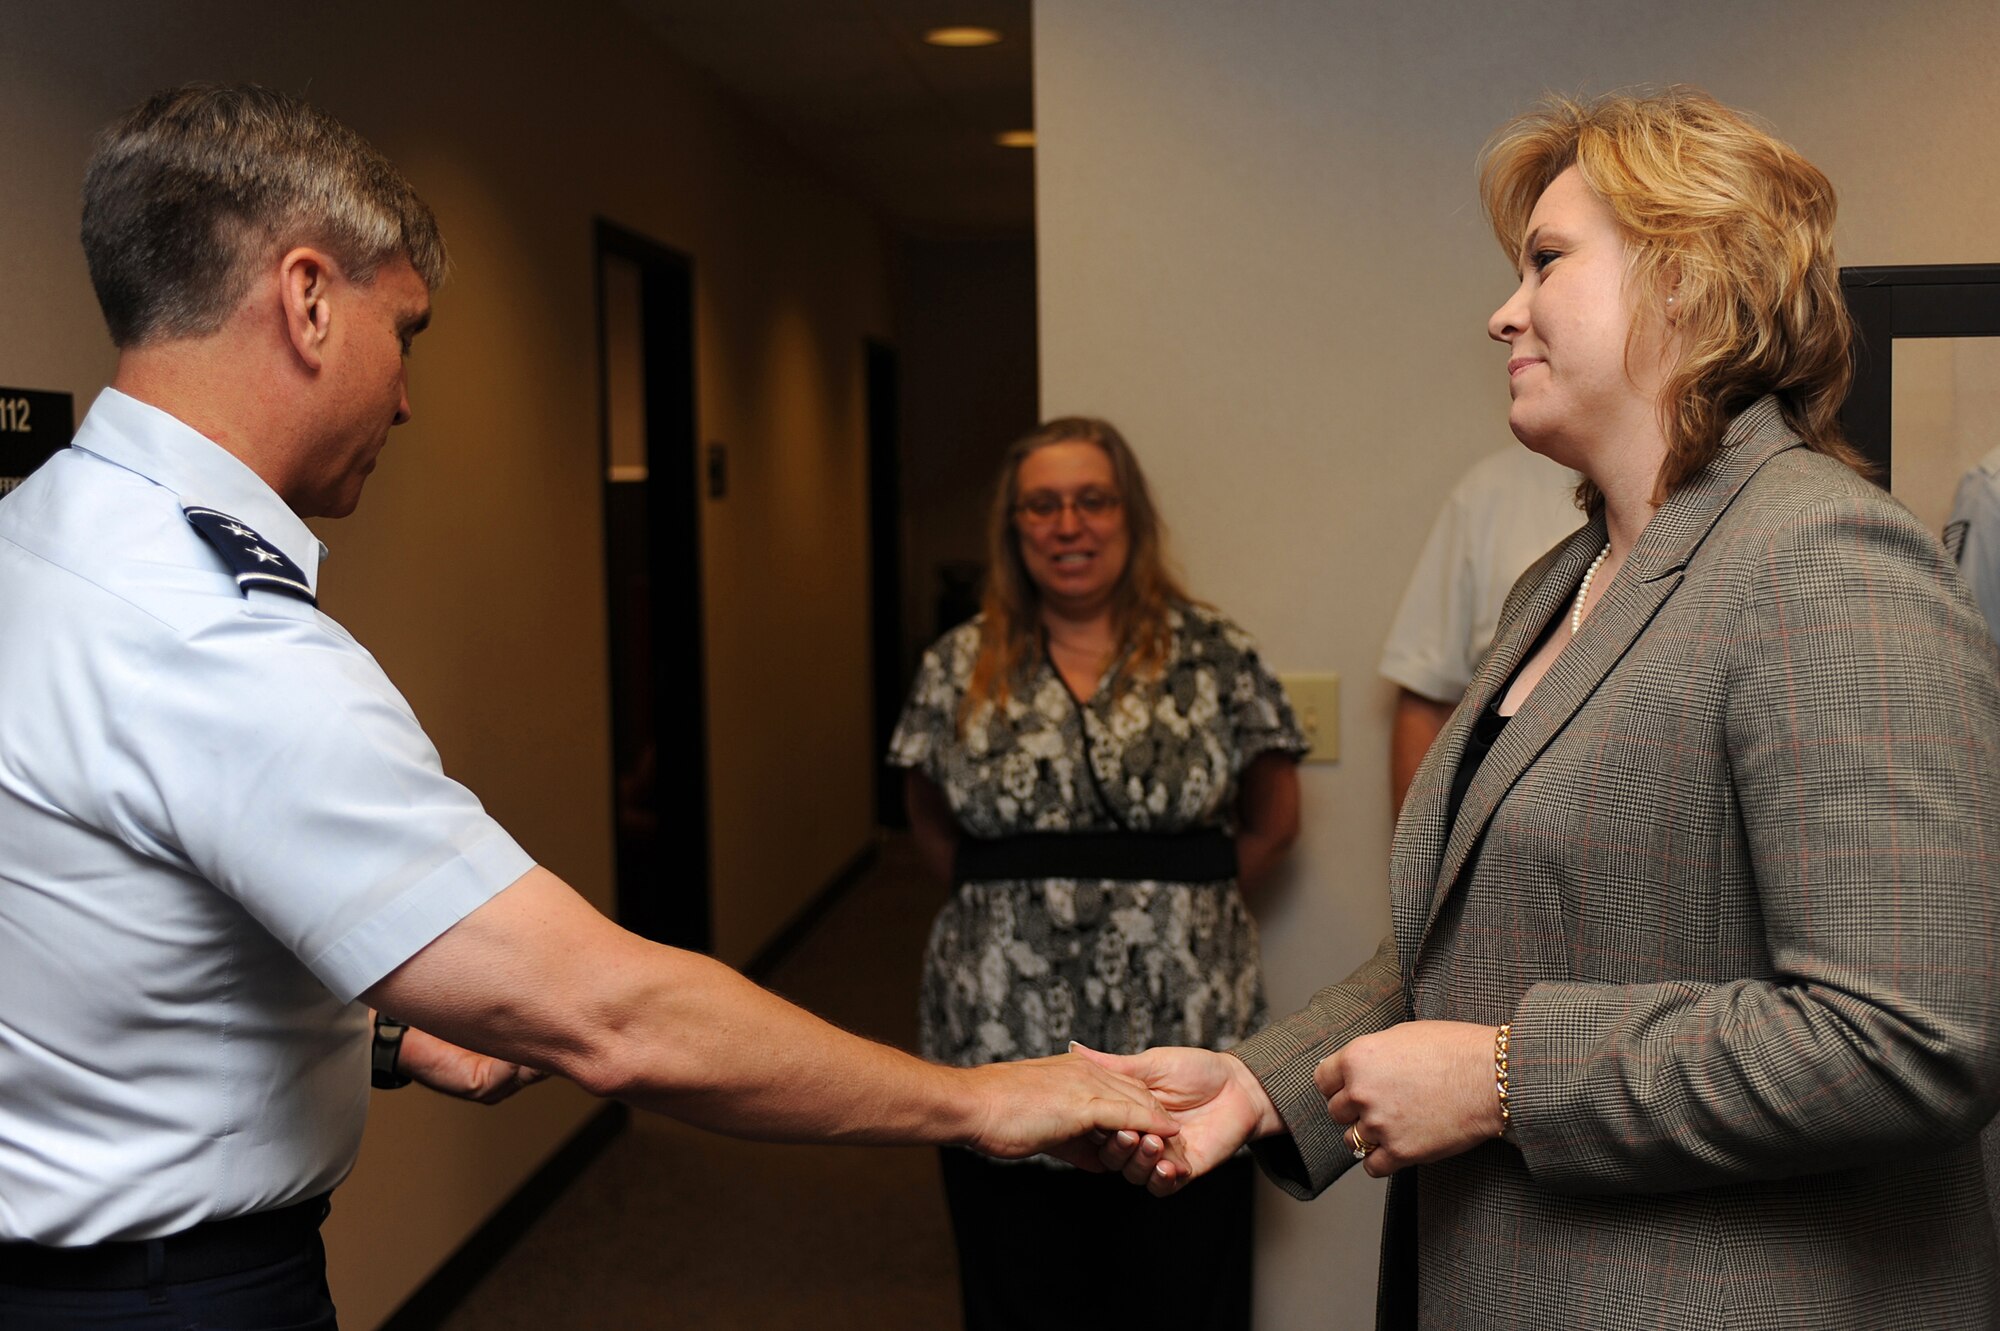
column 538, row 977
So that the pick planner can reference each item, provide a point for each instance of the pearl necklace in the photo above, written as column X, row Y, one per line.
column 1576, row 611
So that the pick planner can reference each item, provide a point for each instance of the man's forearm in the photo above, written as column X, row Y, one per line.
column 1416, row 725
column 709, row 1047
column 662, row 1028
column 538, row 977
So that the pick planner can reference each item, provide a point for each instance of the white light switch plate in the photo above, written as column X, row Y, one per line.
column 1316, row 701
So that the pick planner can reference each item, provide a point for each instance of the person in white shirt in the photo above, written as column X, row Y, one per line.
column 1973, row 535
column 1506, row 512
column 222, row 831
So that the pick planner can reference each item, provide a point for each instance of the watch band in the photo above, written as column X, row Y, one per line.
column 384, row 1075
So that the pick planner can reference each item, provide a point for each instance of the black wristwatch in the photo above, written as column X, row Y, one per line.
column 384, row 1074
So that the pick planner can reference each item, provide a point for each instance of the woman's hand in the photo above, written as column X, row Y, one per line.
column 1419, row 1091
column 1218, row 1102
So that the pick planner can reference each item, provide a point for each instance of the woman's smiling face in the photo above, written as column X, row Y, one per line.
column 1569, row 328
column 1074, row 557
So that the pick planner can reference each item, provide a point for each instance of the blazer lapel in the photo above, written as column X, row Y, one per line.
column 1651, row 573
column 1423, row 840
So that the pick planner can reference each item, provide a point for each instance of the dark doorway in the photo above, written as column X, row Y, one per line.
column 885, row 567
column 1918, row 300
column 652, row 578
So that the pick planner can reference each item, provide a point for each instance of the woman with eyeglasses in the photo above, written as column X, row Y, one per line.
column 1100, row 767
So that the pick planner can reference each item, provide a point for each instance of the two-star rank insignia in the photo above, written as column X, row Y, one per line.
column 254, row 561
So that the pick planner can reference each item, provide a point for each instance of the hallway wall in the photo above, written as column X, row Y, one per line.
column 1262, row 255
column 473, row 569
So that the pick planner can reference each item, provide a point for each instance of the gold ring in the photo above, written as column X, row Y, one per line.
column 1357, row 1143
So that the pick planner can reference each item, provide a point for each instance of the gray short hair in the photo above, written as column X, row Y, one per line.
column 189, row 193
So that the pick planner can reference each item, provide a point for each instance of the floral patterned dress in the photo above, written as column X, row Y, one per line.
column 1017, row 969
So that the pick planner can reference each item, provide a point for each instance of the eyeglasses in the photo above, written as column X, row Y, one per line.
column 1043, row 507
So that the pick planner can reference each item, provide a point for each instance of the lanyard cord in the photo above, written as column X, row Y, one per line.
column 1083, row 727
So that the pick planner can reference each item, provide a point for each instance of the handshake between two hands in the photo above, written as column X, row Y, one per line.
column 1417, row 1092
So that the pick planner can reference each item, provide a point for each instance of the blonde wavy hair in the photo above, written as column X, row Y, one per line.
column 1733, row 223
column 1011, row 637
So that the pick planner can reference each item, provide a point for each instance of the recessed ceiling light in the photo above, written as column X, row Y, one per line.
column 1016, row 138
column 962, row 36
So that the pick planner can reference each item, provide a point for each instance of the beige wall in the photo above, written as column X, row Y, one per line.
column 473, row 567
column 1261, row 253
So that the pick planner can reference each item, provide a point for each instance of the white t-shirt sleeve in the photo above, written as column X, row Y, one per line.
column 268, row 754
column 1427, row 648
column 1503, row 515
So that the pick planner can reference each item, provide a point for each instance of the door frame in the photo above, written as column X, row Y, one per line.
column 667, row 899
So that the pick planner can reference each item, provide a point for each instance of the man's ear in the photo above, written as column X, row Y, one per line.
column 305, row 279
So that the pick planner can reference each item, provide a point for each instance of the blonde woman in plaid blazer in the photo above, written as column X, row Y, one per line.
column 1689, row 1017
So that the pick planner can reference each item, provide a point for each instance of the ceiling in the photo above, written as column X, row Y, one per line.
column 851, row 84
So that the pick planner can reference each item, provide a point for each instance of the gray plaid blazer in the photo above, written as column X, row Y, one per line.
column 1730, row 873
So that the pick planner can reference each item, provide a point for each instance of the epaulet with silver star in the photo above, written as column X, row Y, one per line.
column 254, row 561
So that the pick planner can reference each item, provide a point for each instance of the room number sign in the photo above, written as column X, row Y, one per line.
column 33, row 424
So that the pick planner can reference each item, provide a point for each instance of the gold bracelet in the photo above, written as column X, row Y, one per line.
column 1500, row 1037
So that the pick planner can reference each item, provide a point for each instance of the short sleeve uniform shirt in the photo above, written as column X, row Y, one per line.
column 1973, row 535
column 219, row 824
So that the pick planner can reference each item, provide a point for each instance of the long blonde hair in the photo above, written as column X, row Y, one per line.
column 1011, row 636
column 1731, row 222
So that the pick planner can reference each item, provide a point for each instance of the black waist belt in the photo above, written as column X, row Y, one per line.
column 1165, row 857
column 212, row 1248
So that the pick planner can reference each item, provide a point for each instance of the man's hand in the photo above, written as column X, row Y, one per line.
column 445, row 1067
column 1419, row 1091
column 1216, row 1100
column 1062, row 1106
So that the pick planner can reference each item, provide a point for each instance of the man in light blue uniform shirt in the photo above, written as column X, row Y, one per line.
column 1973, row 535
column 222, row 831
